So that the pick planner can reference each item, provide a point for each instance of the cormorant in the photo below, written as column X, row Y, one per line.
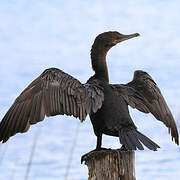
column 54, row 92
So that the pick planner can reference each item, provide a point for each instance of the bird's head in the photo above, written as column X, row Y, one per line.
column 109, row 39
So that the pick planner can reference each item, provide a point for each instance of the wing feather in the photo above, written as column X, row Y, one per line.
column 53, row 92
column 143, row 94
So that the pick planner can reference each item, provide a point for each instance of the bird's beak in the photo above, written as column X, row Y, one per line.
column 126, row 37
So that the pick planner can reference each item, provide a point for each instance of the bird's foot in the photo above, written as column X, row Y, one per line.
column 102, row 149
column 123, row 148
column 84, row 157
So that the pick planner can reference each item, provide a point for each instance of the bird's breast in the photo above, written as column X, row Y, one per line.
column 113, row 113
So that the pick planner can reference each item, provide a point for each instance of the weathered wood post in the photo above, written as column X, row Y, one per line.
column 110, row 165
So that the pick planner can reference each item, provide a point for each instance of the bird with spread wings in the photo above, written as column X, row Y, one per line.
column 55, row 92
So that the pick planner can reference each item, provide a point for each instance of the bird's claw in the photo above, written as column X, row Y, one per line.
column 123, row 148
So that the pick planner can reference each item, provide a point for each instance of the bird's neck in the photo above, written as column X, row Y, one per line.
column 99, row 65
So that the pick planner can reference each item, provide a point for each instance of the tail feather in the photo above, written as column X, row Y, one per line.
column 147, row 142
column 133, row 139
column 129, row 142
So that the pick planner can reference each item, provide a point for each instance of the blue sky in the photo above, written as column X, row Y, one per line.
column 38, row 34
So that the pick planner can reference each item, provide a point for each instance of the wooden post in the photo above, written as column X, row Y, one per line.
column 110, row 165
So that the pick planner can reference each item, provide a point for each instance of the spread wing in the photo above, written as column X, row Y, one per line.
column 143, row 94
column 53, row 92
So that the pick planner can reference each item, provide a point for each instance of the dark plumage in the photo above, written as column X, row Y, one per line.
column 55, row 92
